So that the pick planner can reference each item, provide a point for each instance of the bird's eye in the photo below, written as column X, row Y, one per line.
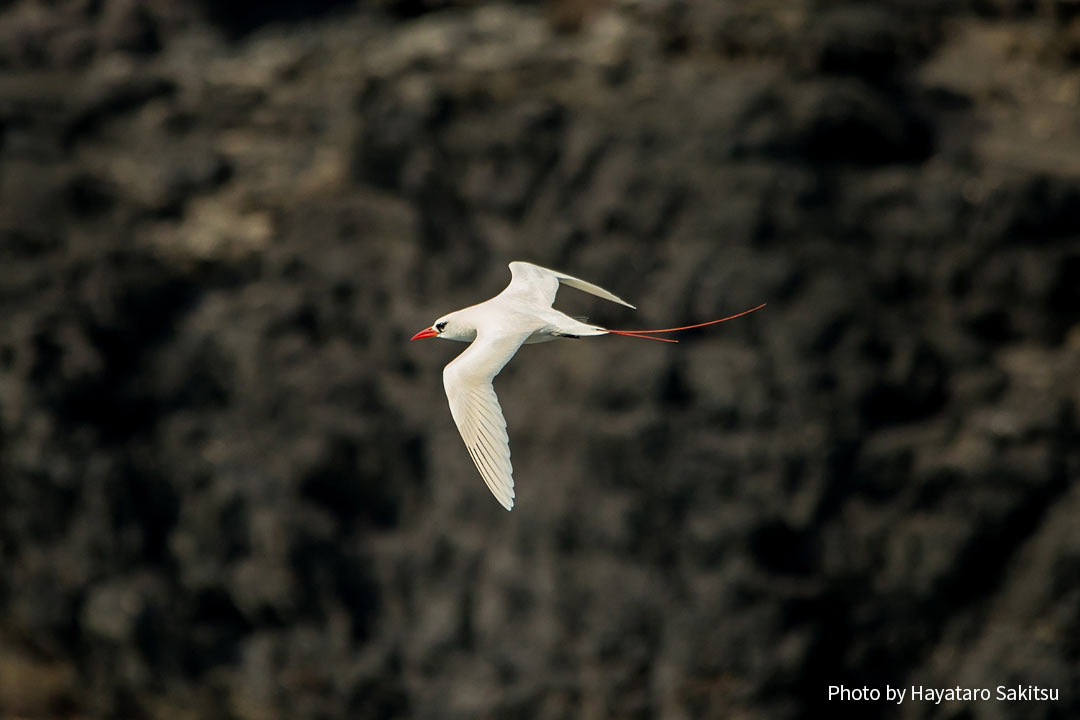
column 440, row 325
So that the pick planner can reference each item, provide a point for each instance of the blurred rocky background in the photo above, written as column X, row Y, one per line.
column 230, row 488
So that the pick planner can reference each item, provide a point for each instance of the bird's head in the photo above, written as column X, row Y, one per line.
column 448, row 327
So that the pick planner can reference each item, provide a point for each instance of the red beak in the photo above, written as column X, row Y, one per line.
column 426, row 332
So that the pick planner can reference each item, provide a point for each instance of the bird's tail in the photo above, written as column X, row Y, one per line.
column 648, row 334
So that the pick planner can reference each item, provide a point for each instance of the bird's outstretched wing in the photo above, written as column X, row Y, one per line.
column 476, row 411
column 537, row 282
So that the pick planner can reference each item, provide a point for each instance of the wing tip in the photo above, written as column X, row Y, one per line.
column 509, row 504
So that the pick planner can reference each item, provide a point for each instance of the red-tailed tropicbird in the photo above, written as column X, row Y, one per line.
column 519, row 315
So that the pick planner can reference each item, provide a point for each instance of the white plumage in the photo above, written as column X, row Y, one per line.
column 521, row 313
column 496, row 328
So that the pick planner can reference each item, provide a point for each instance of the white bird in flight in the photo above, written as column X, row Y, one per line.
column 519, row 315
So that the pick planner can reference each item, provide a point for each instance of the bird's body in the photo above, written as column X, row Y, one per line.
column 524, row 309
column 521, row 314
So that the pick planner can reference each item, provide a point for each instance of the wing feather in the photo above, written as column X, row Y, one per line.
column 486, row 413
column 477, row 413
column 542, row 283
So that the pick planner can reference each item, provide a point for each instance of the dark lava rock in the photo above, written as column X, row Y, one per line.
column 230, row 487
column 872, row 41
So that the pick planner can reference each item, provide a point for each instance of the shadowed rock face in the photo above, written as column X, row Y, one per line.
column 230, row 488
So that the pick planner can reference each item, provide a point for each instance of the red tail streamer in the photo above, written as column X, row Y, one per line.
column 638, row 335
column 645, row 334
